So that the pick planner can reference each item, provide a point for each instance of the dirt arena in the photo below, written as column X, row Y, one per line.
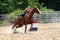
column 46, row 31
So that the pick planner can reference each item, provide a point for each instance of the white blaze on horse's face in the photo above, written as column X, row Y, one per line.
column 38, row 10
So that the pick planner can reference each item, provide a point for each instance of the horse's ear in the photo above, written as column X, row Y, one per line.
column 35, row 6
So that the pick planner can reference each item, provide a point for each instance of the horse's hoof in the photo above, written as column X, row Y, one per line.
column 25, row 32
column 14, row 32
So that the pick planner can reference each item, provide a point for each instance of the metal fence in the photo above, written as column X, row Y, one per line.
column 49, row 17
column 3, row 16
column 44, row 17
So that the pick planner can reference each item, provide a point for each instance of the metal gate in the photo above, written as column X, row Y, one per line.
column 49, row 17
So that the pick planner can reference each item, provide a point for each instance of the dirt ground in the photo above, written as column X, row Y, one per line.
column 46, row 31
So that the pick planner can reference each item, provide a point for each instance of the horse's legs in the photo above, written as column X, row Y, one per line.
column 15, row 29
column 31, row 25
column 13, row 26
column 25, row 28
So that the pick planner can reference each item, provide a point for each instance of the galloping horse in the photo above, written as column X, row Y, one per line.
column 28, row 19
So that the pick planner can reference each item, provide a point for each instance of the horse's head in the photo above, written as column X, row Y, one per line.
column 36, row 10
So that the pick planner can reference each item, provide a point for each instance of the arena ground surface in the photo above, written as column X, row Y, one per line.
column 46, row 31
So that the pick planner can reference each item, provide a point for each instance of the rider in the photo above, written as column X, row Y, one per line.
column 26, row 11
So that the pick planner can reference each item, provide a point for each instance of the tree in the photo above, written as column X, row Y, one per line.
column 51, row 4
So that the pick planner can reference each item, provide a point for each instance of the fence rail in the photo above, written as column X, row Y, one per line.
column 44, row 17
column 3, row 16
column 49, row 17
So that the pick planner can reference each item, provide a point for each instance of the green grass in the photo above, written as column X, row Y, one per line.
column 3, row 23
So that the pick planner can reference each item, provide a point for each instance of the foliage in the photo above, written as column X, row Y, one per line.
column 13, row 14
column 8, row 6
column 1, row 22
column 51, row 4
column 4, row 23
column 44, row 9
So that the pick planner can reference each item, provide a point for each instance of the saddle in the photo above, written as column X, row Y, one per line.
column 21, row 16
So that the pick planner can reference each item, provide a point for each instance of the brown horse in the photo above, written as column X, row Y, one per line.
column 28, row 19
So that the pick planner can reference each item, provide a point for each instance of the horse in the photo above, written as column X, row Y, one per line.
column 28, row 19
